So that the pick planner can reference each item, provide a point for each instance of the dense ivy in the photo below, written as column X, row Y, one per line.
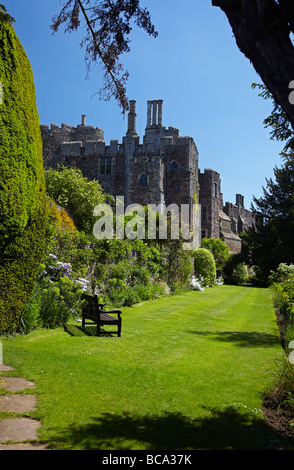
column 22, row 186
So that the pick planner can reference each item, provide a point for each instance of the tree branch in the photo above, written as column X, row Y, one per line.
column 262, row 31
column 108, row 28
column 119, row 90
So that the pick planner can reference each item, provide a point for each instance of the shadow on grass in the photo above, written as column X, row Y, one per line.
column 242, row 338
column 77, row 330
column 222, row 430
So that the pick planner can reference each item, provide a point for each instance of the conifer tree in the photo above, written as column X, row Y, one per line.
column 271, row 242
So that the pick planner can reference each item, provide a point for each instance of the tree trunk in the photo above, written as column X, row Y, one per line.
column 262, row 31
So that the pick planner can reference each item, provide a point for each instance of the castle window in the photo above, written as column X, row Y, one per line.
column 215, row 190
column 176, row 187
column 143, row 181
column 204, row 214
column 105, row 166
column 203, row 233
column 174, row 165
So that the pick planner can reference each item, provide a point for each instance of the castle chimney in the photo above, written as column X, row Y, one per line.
column 83, row 119
column 160, row 112
column 132, row 118
column 149, row 113
column 239, row 200
column 154, row 113
column 154, row 117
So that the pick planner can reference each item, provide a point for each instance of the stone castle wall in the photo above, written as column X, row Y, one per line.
column 240, row 217
column 164, row 168
column 211, row 200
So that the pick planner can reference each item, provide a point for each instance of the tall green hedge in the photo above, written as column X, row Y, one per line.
column 22, row 185
column 204, row 266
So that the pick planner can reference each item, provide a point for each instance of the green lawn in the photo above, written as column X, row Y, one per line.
column 188, row 373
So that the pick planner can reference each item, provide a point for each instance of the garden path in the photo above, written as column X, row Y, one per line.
column 18, row 433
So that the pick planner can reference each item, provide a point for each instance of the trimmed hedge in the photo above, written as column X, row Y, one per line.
column 22, row 185
column 204, row 266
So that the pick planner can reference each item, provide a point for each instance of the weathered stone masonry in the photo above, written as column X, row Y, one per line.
column 161, row 169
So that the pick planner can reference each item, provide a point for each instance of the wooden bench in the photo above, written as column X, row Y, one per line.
column 94, row 311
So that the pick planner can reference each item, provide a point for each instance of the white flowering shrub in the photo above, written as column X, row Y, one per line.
column 219, row 281
column 196, row 283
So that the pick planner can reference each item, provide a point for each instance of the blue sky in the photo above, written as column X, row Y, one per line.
column 194, row 65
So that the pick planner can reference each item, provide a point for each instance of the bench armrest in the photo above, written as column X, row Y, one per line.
column 100, row 309
column 110, row 311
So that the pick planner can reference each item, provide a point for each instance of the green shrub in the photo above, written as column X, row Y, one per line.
column 56, row 297
column 204, row 266
column 69, row 189
column 121, row 270
column 57, row 293
column 59, row 301
column 140, row 276
column 219, row 250
column 282, row 273
column 116, row 291
column 178, row 266
column 283, row 297
column 22, row 193
column 283, row 300
column 30, row 315
column 239, row 274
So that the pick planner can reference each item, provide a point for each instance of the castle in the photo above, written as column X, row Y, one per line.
column 161, row 170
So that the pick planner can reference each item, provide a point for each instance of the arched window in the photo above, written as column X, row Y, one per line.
column 174, row 165
column 143, row 181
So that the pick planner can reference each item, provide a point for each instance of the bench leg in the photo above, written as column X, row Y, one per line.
column 119, row 329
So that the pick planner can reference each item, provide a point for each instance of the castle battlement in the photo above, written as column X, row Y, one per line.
column 209, row 171
column 69, row 127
